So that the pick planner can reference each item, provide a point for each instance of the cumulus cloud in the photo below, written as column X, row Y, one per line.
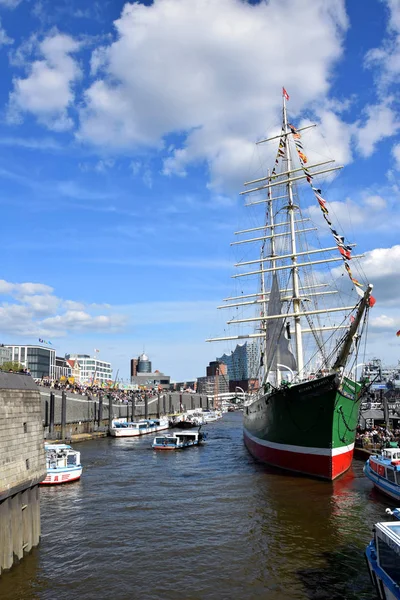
column 48, row 90
column 396, row 155
column 386, row 58
column 35, row 311
column 371, row 211
column 380, row 121
column 221, row 83
column 5, row 40
column 10, row 3
column 381, row 267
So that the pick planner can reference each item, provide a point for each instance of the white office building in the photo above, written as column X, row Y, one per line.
column 92, row 369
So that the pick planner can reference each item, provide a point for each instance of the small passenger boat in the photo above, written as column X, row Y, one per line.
column 124, row 428
column 383, row 558
column 180, row 440
column 384, row 471
column 63, row 464
column 210, row 416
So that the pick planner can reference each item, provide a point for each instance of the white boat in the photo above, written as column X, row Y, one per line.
column 383, row 558
column 210, row 416
column 63, row 464
column 177, row 441
column 123, row 428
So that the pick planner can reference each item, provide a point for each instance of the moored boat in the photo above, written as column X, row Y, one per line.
column 303, row 416
column 63, row 464
column 125, row 428
column 383, row 558
column 384, row 472
column 178, row 441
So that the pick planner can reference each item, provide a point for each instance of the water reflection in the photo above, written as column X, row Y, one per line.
column 206, row 523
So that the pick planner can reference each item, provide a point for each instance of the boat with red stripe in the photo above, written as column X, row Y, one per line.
column 63, row 464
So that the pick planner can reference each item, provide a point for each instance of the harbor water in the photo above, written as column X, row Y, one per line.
column 203, row 523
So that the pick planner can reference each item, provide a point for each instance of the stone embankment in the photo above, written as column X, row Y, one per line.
column 22, row 467
column 78, row 415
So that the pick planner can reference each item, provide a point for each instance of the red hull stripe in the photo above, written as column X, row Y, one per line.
column 44, row 482
column 327, row 466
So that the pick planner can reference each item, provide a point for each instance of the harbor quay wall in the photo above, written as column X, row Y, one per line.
column 85, row 414
column 22, row 467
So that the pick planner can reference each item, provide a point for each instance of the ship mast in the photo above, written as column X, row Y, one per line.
column 295, row 273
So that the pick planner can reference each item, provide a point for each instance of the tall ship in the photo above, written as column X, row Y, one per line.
column 308, row 314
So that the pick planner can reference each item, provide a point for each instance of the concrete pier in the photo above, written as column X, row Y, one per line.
column 22, row 467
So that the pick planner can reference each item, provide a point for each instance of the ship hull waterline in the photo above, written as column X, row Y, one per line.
column 308, row 428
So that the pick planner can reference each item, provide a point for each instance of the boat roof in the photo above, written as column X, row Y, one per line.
column 389, row 533
column 388, row 454
column 57, row 447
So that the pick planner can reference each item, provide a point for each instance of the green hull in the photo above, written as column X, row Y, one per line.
column 311, row 422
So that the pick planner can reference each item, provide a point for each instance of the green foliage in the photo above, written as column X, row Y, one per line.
column 11, row 366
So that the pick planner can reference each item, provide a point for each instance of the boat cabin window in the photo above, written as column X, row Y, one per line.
column 71, row 459
column 390, row 474
column 160, row 440
column 389, row 561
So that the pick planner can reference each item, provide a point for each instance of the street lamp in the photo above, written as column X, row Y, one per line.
column 354, row 369
column 288, row 368
column 237, row 387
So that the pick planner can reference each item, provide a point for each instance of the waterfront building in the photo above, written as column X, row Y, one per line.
column 144, row 364
column 151, row 381
column 216, row 381
column 243, row 362
column 75, row 369
column 91, row 369
column 41, row 361
column 143, row 376
column 62, row 369
column 181, row 386
column 134, row 364
column 5, row 354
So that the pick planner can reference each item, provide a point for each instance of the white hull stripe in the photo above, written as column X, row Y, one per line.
column 299, row 449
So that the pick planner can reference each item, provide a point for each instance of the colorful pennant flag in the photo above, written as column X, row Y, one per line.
column 344, row 249
column 285, row 94
column 398, row 333
column 44, row 342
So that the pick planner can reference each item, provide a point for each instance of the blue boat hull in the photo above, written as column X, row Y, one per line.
column 381, row 483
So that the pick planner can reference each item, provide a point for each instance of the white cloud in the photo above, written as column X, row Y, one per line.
column 371, row 211
column 380, row 122
column 5, row 40
column 36, row 311
column 386, row 59
column 47, row 92
column 221, row 84
column 396, row 154
column 381, row 267
column 10, row 3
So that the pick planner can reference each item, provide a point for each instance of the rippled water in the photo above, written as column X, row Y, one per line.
column 204, row 523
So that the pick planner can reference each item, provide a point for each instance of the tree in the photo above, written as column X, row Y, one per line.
column 11, row 365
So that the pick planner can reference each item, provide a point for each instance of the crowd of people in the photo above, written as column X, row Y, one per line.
column 89, row 390
column 377, row 436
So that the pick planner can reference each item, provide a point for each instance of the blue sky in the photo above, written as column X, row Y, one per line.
column 126, row 132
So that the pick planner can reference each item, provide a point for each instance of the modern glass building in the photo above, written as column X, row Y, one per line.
column 40, row 361
column 143, row 364
column 242, row 363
